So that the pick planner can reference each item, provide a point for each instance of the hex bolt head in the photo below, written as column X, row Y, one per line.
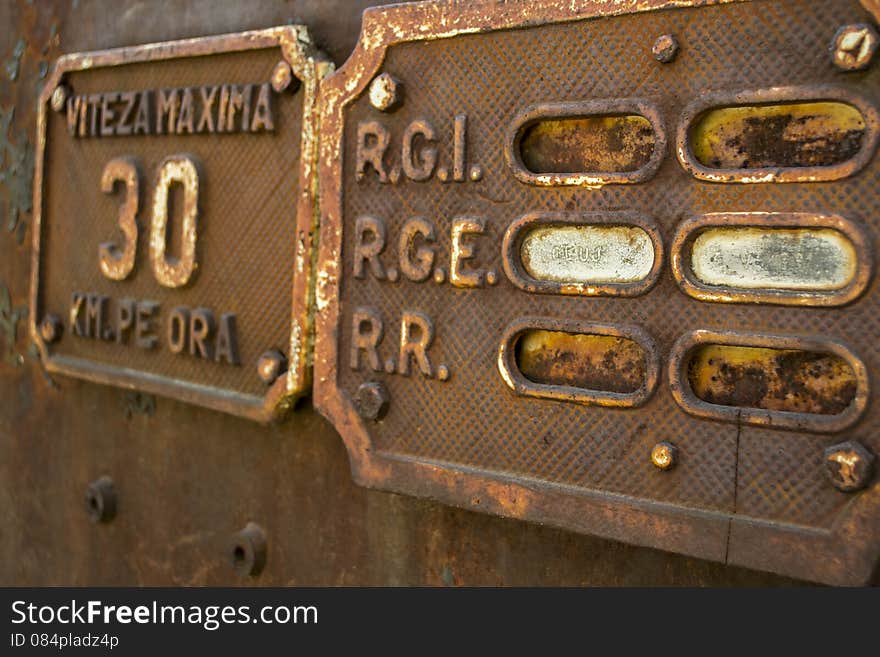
column 248, row 550
column 372, row 401
column 58, row 101
column 101, row 500
column 854, row 46
column 849, row 466
column 271, row 365
column 665, row 48
column 282, row 76
column 386, row 93
column 51, row 328
column 664, row 455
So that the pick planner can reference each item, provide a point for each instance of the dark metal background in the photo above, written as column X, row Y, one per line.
column 189, row 478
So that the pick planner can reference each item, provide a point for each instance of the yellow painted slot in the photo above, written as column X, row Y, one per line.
column 786, row 135
column 592, row 144
column 774, row 379
column 590, row 362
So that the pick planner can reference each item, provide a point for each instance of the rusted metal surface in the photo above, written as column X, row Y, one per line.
column 801, row 383
column 605, row 365
column 188, row 478
column 600, row 144
column 850, row 466
column 664, row 455
column 184, row 319
column 808, row 133
column 818, row 134
column 854, row 46
column 580, row 360
column 778, row 262
column 750, row 485
column 774, row 379
column 586, row 143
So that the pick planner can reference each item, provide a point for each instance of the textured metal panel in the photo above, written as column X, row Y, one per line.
column 453, row 429
column 255, row 216
column 188, row 478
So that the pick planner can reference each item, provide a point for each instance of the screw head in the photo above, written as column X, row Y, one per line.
column 271, row 365
column 51, row 328
column 101, row 500
column 58, row 100
column 372, row 401
column 854, row 46
column 664, row 455
column 386, row 93
column 849, row 466
column 248, row 550
column 665, row 48
column 282, row 76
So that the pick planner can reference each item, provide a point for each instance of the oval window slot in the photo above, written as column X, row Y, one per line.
column 610, row 143
column 784, row 135
column 790, row 380
column 774, row 258
column 587, row 254
column 592, row 363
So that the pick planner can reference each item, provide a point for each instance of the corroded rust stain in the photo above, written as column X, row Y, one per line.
column 591, row 362
column 779, row 135
column 774, row 258
column 594, row 144
column 774, row 379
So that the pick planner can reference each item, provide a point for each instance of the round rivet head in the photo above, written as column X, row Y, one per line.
column 849, row 466
column 665, row 48
column 386, row 93
column 282, row 76
column 101, row 500
column 372, row 401
column 51, row 328
column 248, row 550
column 854, row 46
column 271, row 365
column 664, row 455
column 59, row 98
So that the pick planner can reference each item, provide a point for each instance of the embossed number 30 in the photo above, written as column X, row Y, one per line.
column 118, row 263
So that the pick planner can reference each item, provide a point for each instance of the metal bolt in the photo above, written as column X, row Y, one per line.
column 248, row 550
column 51, row 328
column 853, row 46
column 282, row 76
column 271, row 365
column 386, row 93
column 664, row 455
column 665, row 48
column 849, row 466
column 101, row 500
column 59, row 98
column 372, row 401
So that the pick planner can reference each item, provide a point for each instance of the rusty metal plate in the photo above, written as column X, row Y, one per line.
column 522, row 307
column 174, row 213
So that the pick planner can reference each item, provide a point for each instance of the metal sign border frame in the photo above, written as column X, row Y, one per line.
column 308, row 65
column 830, row 556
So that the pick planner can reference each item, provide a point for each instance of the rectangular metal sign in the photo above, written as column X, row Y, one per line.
column 174, row 218
column 608, row 266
